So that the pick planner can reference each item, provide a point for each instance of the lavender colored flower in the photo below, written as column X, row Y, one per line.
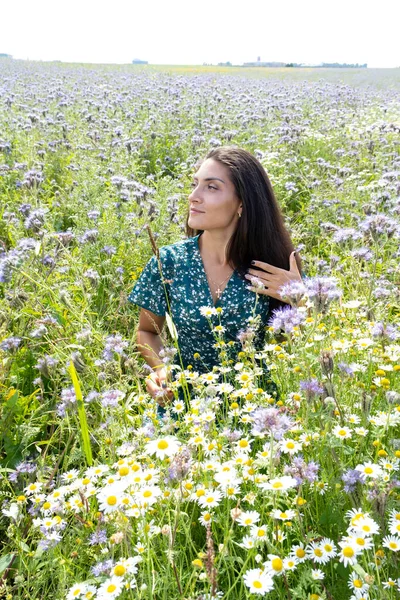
column 92, row 275
column 98, row 537
column 114, row 344
column 180, row 465
column 293, row 292
column 92, row 396
column 285, row 319
column 345, row 368
column 65, row 237
column 46, row 364
column 110, row 250
column 270, row 421
column 111, row 397
column 11, row 343
column 379, row 224
column 102, row 567
column 90, row 235
column 345, row 234
column 301, row 470
column 68, row 400
column 232, row 435
column 321, row 291
column 35, row 220
column 384, row 331
column 93, row 214
column 311, row 388
column 52, row 539
column 39, row 332
column 22, row 468
column 350, row 479
column 32, row 178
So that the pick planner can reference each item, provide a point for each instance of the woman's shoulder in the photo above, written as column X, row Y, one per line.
column 179, row 250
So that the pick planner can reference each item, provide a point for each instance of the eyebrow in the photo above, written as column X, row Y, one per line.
column 211, row 179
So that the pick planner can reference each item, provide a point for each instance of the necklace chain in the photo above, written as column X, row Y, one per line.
column 218, row 291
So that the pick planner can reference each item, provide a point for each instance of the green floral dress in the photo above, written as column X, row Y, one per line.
column 183, row 289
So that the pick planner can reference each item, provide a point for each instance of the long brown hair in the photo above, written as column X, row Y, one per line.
column 261, row 233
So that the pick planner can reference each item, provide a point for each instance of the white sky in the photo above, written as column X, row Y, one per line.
column 212, row 31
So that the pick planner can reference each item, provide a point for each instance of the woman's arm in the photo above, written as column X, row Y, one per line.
column 149, row 345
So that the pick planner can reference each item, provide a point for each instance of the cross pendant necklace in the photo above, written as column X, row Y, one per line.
column 218, row 291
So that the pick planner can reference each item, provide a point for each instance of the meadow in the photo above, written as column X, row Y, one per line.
column 236, row 493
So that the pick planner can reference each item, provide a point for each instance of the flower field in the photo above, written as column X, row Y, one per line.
column 237, row 492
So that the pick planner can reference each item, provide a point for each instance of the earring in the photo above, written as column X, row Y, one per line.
column 239, row 215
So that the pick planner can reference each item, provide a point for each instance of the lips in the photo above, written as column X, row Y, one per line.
column 194, row 210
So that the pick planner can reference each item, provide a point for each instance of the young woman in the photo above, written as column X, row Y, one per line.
column 235, row 233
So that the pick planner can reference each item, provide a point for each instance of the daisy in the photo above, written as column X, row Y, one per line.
column 76, row 591
column 317, row 574
column 348, row 552
column 279, row 484
column 395, row 528
column 178, row 406
column 205, row 518
column 275, row 565
column 258, row 582
column 211, row 499
column 208, row 311
column 248, row 518
column 110, row 589
column 357, row 584
column 361, row 541
column 391, row 542
column 109, row 499
column 248, row 542
column 147, row 496
column 33, row 488
column 366, row 526
column 289, row 564
column 342, row 432
column 370, row 469
column 283, row 515
column 258, row 532
column 70, row 475
column 316, row 552
column 298, row 552
column 290, row 446
column 162, row 447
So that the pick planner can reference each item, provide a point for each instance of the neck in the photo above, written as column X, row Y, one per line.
column 213, row 244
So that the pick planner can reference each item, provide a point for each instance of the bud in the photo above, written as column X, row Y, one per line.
column 235, row 513
column 327, row 363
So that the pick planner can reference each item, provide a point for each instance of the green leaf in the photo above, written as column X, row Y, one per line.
column 5, row 561
column 171, row 327
column 82, row 415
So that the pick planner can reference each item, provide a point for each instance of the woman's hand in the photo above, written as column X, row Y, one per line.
column 156, row 384
column 272, row 277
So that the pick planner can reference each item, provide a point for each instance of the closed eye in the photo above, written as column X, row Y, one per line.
column 210, row 187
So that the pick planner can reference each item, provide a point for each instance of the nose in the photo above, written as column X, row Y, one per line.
column 194, row 196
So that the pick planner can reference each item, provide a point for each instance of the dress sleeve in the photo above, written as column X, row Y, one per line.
column 149, row 291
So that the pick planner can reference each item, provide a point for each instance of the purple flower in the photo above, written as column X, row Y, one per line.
column 321, row 291
column 301, row 470
column 293, row 292
column 285, row 319
column 311, row 387
column 90, row 235
column 350, row 479
column 111, row 397
column 68, row 398
column 270, row 421
column 180, row 465
column 114, row 344
column 384, row 331
column 45, row 364
column 98, row 537
column 21, row 469
column 102, row 567
column 10, row 344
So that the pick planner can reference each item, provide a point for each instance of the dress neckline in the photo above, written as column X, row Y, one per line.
column 200, row 260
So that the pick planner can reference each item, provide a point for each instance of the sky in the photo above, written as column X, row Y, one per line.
column 206, row 31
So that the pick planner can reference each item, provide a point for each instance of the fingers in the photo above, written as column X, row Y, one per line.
column 265, row 266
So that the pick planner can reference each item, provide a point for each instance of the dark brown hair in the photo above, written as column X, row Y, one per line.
column 261, row 233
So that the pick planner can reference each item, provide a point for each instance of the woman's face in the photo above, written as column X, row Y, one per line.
column 213, row 201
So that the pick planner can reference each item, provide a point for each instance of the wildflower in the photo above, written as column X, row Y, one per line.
column 348, row 552
column 321, row 291
column 391, row 542
column 248, row 518
column 111, row 398
column 289, row 446
column 342, row 432
column 10, row 344
column 210, row 499
column 270, row 421
column 357, row 584
column 298, row 552
column 311, row 388
column 293, row 292
column 208, row 311
column 285, row 319
column 369, row 469
column 76, row 591
column 274, row 566
column 259, row 582
column 350, row 479
column 317, row 574
column 110, row 589
column 162, row 447
column 279, row 484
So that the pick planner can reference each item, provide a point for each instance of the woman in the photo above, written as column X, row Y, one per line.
column 235, row 233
